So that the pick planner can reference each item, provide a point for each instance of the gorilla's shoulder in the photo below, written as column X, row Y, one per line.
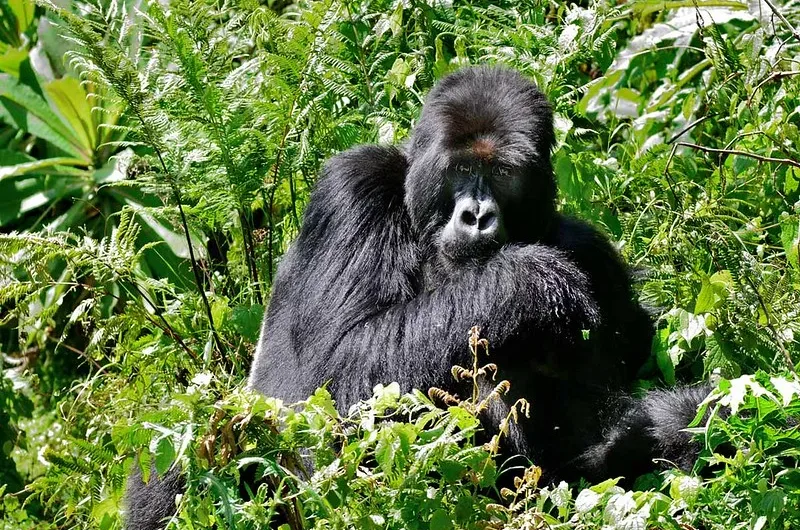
column 579, row 236
column 590, row 248
column 364, row 169
column 359, row 197
column 574, row 232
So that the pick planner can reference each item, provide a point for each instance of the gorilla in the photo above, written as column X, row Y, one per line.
column 403, row 249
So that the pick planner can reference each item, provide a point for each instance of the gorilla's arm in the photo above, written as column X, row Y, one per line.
column 651, row 427
column 147, row 505
column 643, row 429
column 628, row 326
column 336, row 310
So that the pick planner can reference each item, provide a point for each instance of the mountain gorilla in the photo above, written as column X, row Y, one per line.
column 403, row 250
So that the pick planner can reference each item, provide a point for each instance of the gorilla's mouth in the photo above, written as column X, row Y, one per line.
column 463, row 251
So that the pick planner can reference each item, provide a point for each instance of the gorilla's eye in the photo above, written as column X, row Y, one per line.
column 463, row 168
column 502, row 171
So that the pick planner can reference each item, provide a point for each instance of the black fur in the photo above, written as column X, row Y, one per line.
column 148, row 506
column 392, row 268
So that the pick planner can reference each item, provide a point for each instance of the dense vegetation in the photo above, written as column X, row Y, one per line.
column 155, row 158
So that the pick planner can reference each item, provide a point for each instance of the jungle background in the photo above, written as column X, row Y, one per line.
column 155, row 159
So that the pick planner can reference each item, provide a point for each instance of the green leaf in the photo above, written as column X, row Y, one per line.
column 790, row 239
column 464, row 419
column 451, row 470
column 440, row 520
column 322, row 399
column 385, row 449
column 646, row 7
column 11, row 60
column 36, row 165
column 769, row 503
column 685, row 488
column 69, row 99
column 719, row 354
column 791, row 181
column 20, row 195
column 165, row 455
column 605, row 485
column 23, row 11
column 714, row 292
column 663, row 359
column 23, row 108
column 464, row 509
column 246, row 320
column 396, row 20
column 219, row 310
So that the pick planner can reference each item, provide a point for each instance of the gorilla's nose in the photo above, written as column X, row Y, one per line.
column 477, row 218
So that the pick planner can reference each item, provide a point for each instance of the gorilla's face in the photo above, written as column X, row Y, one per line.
column 470, row 199
column 483, row 196
column 475, row 228
column 479, row 172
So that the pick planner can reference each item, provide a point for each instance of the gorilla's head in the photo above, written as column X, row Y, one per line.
column 479, row 165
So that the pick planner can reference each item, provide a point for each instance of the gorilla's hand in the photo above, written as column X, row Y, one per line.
column 557, row 292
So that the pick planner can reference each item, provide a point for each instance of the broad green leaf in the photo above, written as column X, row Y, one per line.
column 791, row 181
column 246, row 320
column 385, row 450
column 165, row 454
column 720, row 354
column 790, row 239
column 770, row 503
column 23, row 108
column 685, row 488
column 70, row 100
column 27, row 183
column 23, row 10
column 687, row 108
column 11, row 59
column 606, row 485
column 669, row 94
column 714, row 292
column 36, row 165
column 219, row 310
column 464, row 419
column 599, row 93
column 11, row 158
column 396, row 20
column 452, row 470
column 663, row 359
column 441, row 521
column 464, row 508
column 105, row 512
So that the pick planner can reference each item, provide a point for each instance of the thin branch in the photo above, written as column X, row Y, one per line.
column 187, row 234
column 772, row 77
column 165, row 325
column 736, row 152
column 778, row 14
column 689, row 127
column 668, row 176
column 73, row 349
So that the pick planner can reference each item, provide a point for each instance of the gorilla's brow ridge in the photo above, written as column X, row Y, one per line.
column 484, row 148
